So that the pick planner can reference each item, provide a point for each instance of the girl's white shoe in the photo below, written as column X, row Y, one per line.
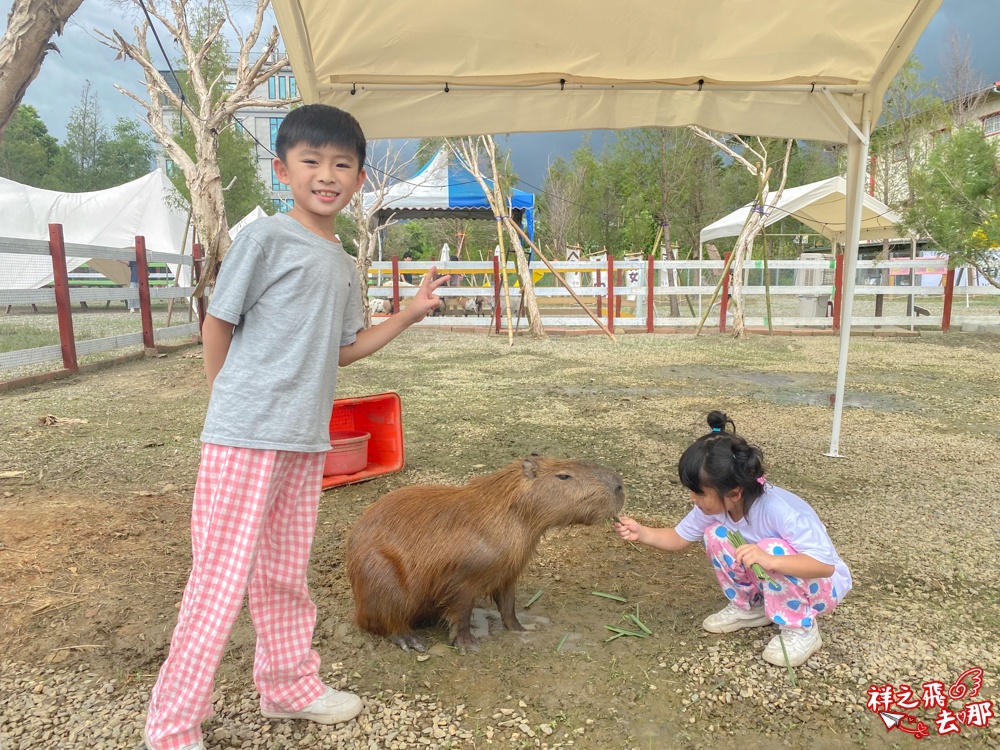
column 800, row 643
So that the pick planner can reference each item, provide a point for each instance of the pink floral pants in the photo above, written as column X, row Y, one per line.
column 788, row 601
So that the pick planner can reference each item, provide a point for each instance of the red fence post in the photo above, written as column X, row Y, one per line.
column 145, row 308
column 949, row 294
column 724, row 302
column 649, row 294
column 196, row 257
column 60, row 277
column 395, row 284
column 611, row 293
column 496, row 292
column 838, row 290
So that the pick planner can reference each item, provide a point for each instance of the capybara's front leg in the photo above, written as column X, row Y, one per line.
column 459, row 617
column 504, row 598
column 409, row 640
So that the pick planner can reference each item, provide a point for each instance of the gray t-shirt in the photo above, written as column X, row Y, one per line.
column 294, row 299
column 782, row 514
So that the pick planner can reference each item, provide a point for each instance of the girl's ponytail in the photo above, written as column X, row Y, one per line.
column 717, row 421
column 721, row 460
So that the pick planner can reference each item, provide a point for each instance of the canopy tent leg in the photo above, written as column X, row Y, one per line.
column 857, row 157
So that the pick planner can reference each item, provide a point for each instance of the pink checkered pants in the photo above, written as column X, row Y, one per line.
column 252, row 528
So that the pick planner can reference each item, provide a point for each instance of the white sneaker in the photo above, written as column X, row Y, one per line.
column 800, row 643
column 733, row 618
column 199, row 745
column 332, row 707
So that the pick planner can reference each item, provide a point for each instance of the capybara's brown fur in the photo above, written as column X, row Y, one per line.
column 429, row 551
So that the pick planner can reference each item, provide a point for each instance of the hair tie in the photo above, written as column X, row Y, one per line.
column 761, row 479
column 716, row 429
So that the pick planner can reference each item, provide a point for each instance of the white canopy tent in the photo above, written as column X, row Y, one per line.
column 821, row 206
column 781, row 68
column 107, row 218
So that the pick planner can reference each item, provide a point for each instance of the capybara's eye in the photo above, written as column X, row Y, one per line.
column 564, row 476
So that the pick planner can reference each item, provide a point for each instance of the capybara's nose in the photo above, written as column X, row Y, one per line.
column 620, row 494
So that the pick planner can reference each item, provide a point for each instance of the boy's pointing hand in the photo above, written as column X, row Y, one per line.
column 426, row 300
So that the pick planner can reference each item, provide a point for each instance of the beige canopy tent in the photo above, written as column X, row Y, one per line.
column 782, row 68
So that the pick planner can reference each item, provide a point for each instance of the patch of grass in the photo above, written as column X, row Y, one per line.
column 16, row 337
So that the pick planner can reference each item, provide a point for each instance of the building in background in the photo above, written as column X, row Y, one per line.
column 888, row 173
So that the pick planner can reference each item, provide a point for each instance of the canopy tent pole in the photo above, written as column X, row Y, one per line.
column 857, row 158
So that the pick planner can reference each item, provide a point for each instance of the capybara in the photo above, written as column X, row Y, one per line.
column 427, row 552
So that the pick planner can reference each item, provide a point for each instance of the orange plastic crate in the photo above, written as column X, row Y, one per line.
column 382, row 416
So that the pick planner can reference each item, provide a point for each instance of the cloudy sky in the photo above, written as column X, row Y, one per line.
column 60, row 83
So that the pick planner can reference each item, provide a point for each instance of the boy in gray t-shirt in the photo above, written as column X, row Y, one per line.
column 286, row 311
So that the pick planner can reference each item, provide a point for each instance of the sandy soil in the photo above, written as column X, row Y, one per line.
column 94, row 545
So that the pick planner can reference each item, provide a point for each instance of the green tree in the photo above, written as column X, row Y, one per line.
column 75, row 168
column 412, row 236
column 910, row 109
column 126, row 155
column 27, row 151
column 957, row 201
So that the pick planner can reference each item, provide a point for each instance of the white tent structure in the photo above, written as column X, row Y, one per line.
column 250, row 218
column 781, row 68
column 821, row 206
column 108, row 218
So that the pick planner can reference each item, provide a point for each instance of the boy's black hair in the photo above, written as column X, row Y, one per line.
column 723, row 461
column 320, row 125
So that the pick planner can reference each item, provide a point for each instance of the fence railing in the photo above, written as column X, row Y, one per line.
column 638, row 294
column 63, row 298
column 652, row 294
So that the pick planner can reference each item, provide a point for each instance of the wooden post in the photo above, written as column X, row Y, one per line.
column 949, row 294
column 145, row 309
column 60, row 277
column 649, row 294
column 611, row 293
column 724, row 301
column 395, row 284
column 496, row 292
column 559, row 277
column 599, row 297
column 197, row 260
column 838, row 289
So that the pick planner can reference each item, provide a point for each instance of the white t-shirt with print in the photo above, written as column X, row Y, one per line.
column 781, row 514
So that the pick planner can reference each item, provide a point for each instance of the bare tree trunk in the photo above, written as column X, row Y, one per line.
column 755, row 220
column 468, row 150
column 30, row 26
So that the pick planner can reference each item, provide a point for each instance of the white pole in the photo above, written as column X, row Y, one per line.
column 699, row 280
column 857, row 157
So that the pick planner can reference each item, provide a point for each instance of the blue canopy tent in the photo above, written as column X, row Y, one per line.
column 444, row 188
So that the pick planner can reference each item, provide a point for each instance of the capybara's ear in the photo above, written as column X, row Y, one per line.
column 530, row 467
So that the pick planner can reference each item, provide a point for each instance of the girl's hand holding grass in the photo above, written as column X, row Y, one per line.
column 750, row 555
column 627, row 528
column 736, row 539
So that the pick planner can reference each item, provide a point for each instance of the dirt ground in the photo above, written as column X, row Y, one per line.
column 95, row 549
